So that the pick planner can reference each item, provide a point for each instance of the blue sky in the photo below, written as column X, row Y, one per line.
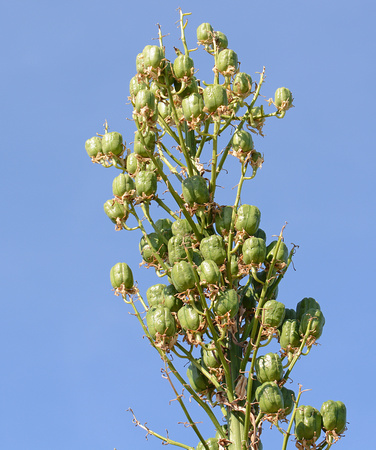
column 73, row 359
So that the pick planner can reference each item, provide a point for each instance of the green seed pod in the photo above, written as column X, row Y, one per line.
column 283, row 99
column 112, row 143
column 269, row 367
column 197, row 379
column 164, row 226
column 176, row 248
column 115, row 210
column 242, row 85
column 145, row 148
column 304, row 305
column 212, row 444
column 254, row 250
column 145, row 99
column 282, row 255
column 288, row 400
column 160, row 320
column 220, row 40
column 135, row 85
column 131, row 163
column 191, row 88
column 234, row 267
column 93, row 146
column 223, row 220
column 260, row 234
column 193, row 106
column 256, row 119
column 164, row 109
column 158, row 91
column 166, row 68
column 215, row 96
column 154, row 294
column 210, row 358
column 333, row 416
column 152, row 167
column 290, row 314
column 204, row 34
column 242, row 141
column 248, row 219
column 182, row 276
column 272, row 291
column 256, row 159
column 146, row 183
column 208, row 272
column 226, row 302
column 140, row 64
column 289, row 335
column 156, row 246
column 197, row 257
column 170, row 300
column 153, row 56
column 273, row 313
column 183, row 67
column 121, row 274
column 307, row 423
column 195, row 190
column 270, row 398
column 213, row 248
column 227, row 62
column 317, row 319
column 247, row 298
column 123, row 184
column 181, row 227
column 189, row 318
column 154, row 88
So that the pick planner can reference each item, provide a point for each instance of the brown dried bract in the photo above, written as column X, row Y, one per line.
column 107, row 159
column 119, row 224
column 126, row 198
column 241, row 387
column 164, row 342
column 121, row 290
column 144, row 198
column 305, row 444
column 153, row 264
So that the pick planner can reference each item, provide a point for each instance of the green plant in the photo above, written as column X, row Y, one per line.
column 219, row 308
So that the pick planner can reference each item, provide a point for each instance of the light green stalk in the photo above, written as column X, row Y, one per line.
column 210, row 377
column 145, row 209
column 181, row 380
column 288, row 432
column 299, row 352
column 180, row 133
column 183, row 407
column 175, row 195
column 172, row 169
column 245, row 116
column 214, row 160
column 166, row 208
column 183, row 25
column 166, row 267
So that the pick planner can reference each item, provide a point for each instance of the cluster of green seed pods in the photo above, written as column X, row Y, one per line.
column 216, row 303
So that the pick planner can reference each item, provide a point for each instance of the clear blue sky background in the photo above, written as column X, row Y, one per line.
column 72, row 358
